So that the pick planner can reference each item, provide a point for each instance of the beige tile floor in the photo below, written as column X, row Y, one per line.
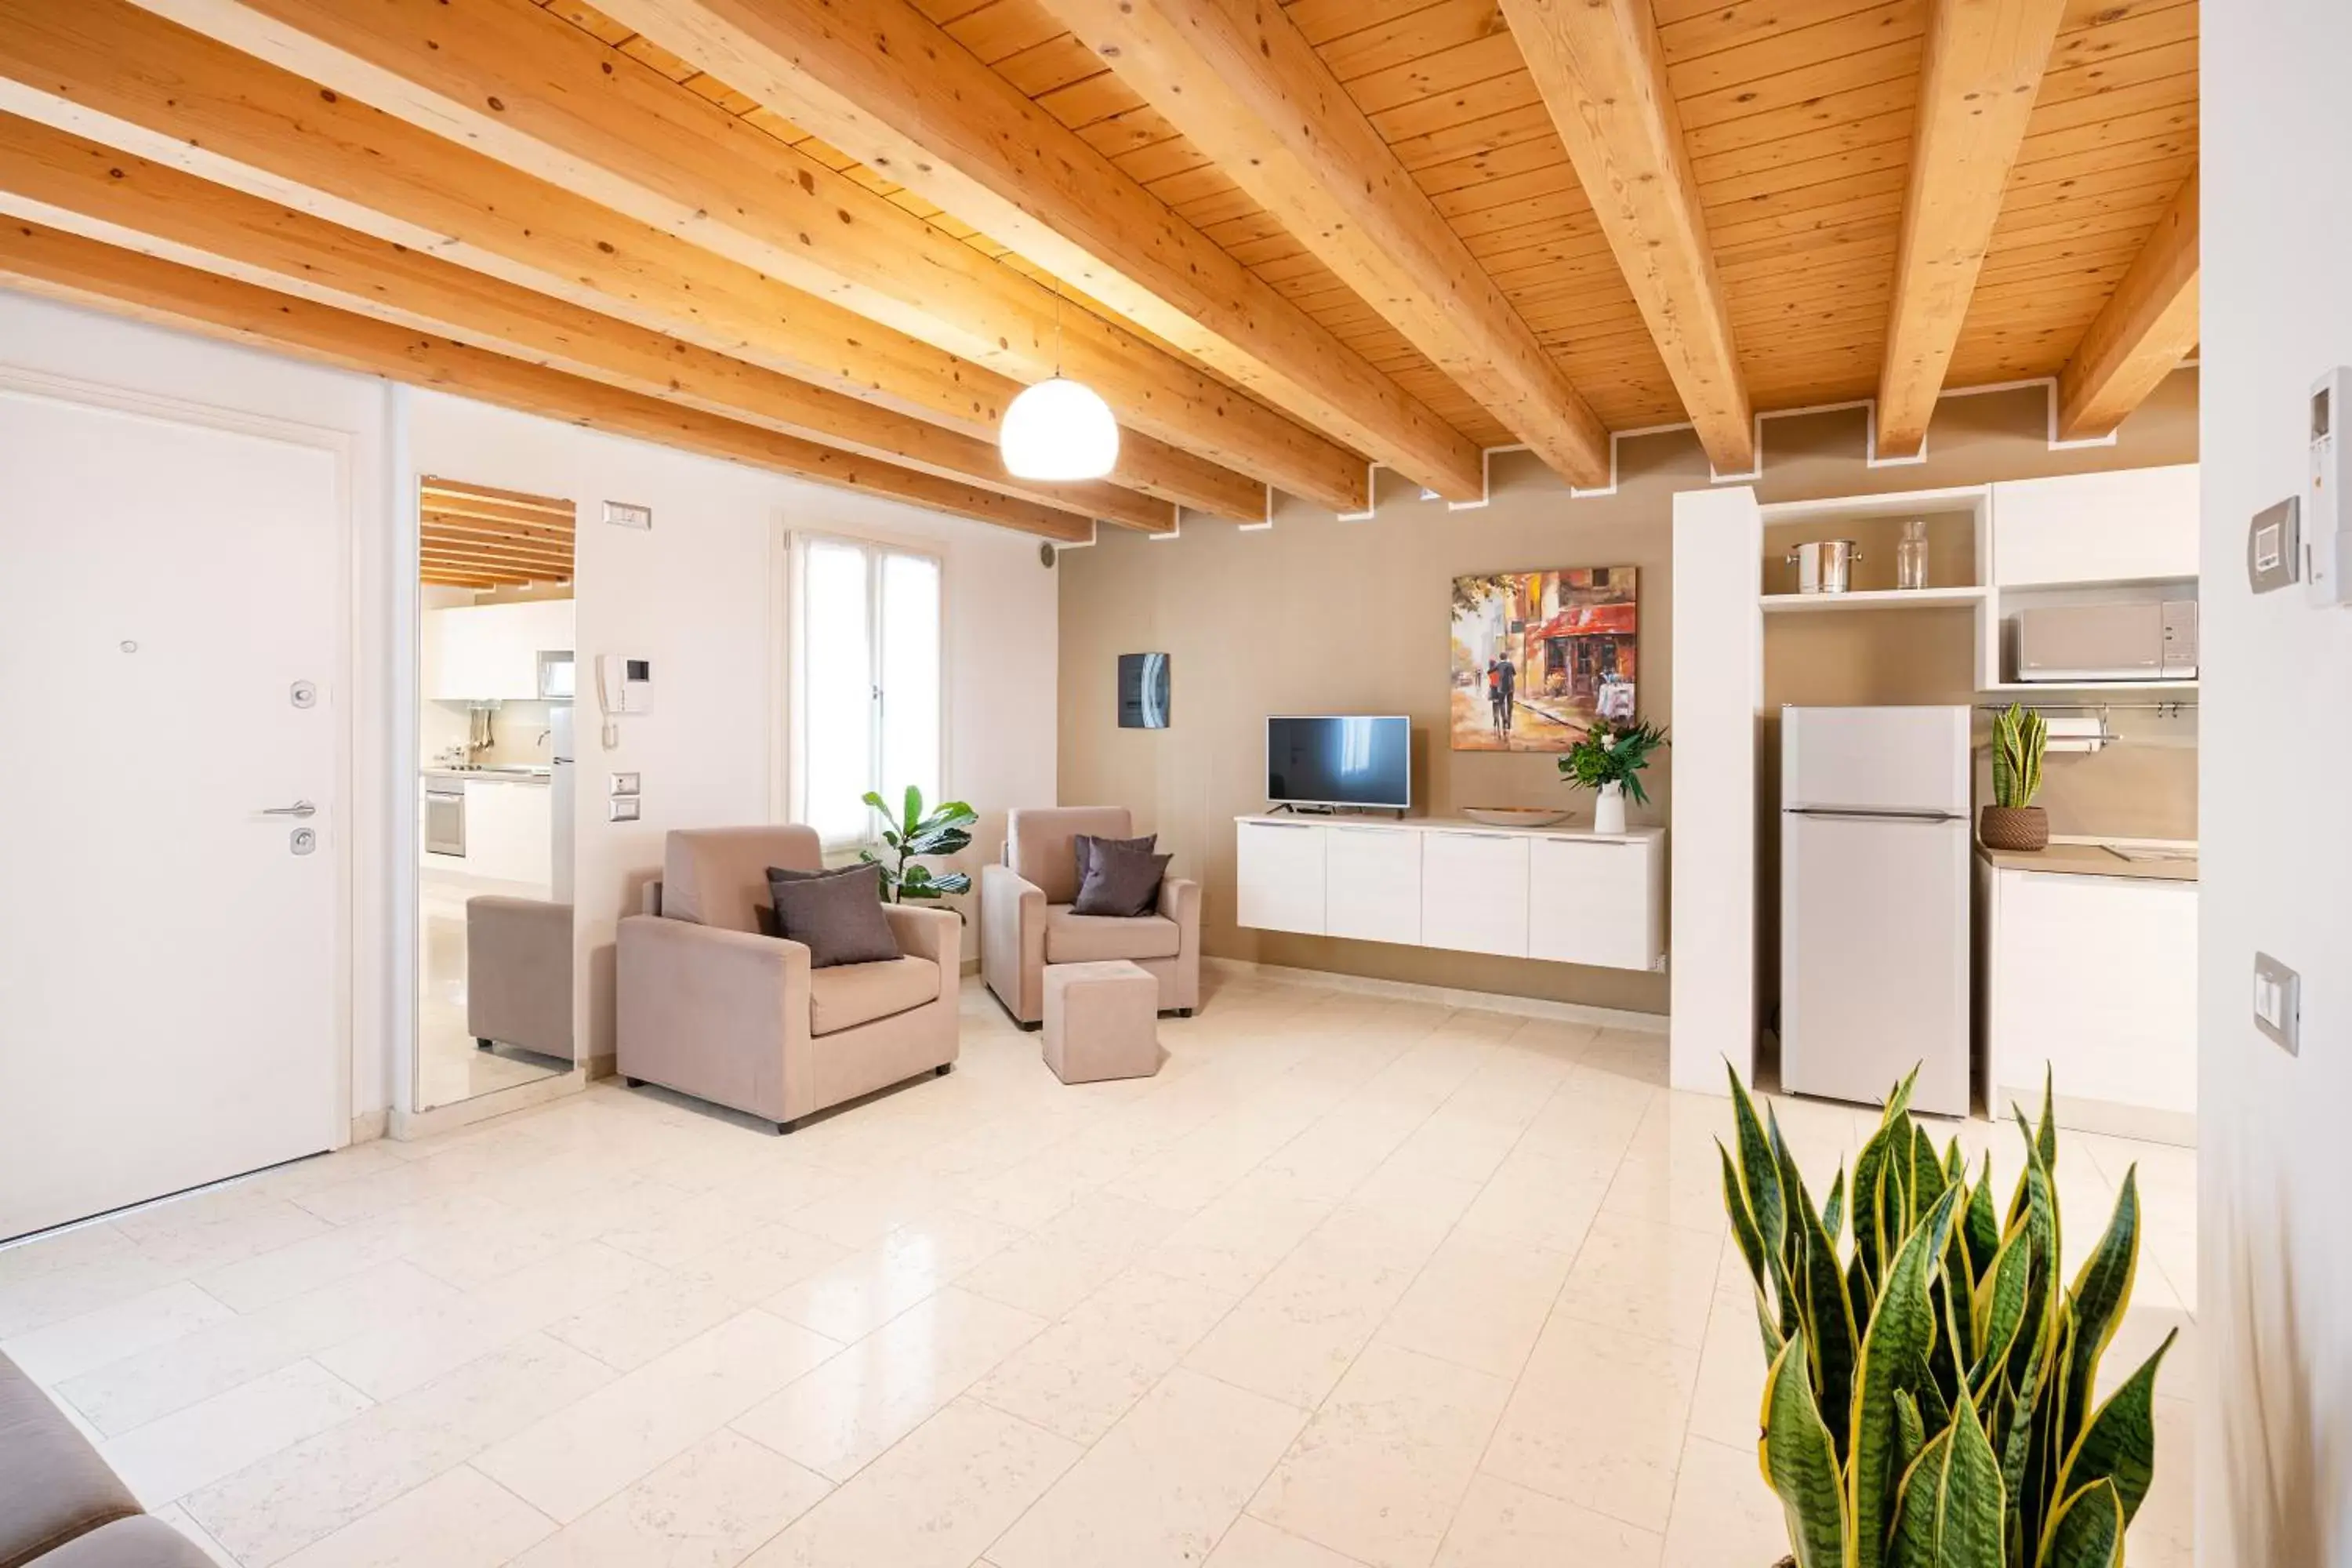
column 1354, row 1281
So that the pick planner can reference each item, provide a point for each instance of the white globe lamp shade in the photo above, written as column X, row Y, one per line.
column 1058, row 429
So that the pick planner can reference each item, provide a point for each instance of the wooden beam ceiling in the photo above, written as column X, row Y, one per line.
column 1982, row 67
column 182, row 98
column 1602, row 70
column 50, row 261
column 892, row 90
column 520, row 84
column 1247, row 88
column 2148, row 327
column 51, row 173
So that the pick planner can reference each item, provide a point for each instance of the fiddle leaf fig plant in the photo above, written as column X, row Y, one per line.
column 908, row 834
column 1931, row 1399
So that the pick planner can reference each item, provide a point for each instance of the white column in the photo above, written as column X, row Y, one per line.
column 1718, row 701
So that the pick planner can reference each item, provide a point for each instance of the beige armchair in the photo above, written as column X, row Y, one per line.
column 708, row 1005
column 519, row 975
column 1026, row 921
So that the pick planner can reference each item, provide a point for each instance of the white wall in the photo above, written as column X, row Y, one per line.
column 701, row 595
column 2274, row 1287
column 45, row 339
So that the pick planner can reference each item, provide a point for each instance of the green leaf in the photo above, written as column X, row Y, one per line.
column 1951, row 1513
column 1833, row 1211
column 913, row 814
column 914, row 877
column 2119, row 1445
column 1999, row 1310
column 953, row 882
column 1894, row 1350
column 2087, row 1531
column 1760, row 1171
column 1743, row 1222
column 1910, row 1432
column 2102, row 1294
column 1828, row 1314
column 2045, row 1141
column 874, row 800
column 1983, row 1228
column 1799, row 1463
column 1919, row 1499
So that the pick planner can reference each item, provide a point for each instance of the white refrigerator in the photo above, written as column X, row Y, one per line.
column 562, row 795
column 1875, row 889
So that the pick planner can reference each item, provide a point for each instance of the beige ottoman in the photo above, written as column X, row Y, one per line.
column 1102, row 1020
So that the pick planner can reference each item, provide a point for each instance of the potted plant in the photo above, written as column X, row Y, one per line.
column 1932, row 1400
column 1608, row 757
column 911, row 834
column 2013, row 821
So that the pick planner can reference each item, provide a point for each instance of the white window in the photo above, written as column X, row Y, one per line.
column 869, row 680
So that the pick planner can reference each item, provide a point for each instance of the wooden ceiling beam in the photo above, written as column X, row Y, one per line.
column 889, row 87
column 47, row 172
column 1981, row 66
column 109, row 70
column 456, row 492
column 555, row 571
column 515, row 81
column 460, row 524
column 1245, row 86
column 1602, row 74
column 2144, row 332
column 46, row 260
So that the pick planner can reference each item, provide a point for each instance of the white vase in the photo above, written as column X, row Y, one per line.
column 1609, row 811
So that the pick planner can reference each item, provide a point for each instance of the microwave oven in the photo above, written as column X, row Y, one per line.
column 2082, row 643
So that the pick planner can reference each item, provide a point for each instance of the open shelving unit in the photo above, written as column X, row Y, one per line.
column 1875, row 599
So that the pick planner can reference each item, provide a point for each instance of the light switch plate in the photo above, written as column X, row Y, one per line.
column 622, row 810
column 2274, row 546
column 623, row 784
column 2278, row 1003
column 628, row 514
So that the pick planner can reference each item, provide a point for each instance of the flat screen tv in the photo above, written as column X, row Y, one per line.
column 1343, row 759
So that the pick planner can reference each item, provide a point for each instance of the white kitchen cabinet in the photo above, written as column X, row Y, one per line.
column 477, row 652
column 1474, row 891
column 2094, row 980
column 1280, row 867
column 510, row 830
column 2127, row 525
column 1372, row 883
column 1596, row 901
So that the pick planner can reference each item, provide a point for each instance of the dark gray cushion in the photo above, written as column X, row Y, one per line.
column 1083, row 846
column 837, row 915
column 766, row 913
column 53, row 1485
column 1120, row 881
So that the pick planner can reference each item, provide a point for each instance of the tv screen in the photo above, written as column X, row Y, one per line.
column 1336, row 760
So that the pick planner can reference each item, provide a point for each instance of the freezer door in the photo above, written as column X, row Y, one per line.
column 1875, row 958
column 1882, row 759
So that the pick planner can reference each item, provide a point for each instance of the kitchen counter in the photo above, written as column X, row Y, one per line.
column 2100, row 860
column 517, row 773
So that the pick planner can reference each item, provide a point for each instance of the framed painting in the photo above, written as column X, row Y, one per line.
column 1538, row 656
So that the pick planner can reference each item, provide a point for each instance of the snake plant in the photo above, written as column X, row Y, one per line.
column 2019, row 737
column 1931, row 1397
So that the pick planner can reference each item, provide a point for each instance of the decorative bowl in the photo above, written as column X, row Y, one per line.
column 1514, row 816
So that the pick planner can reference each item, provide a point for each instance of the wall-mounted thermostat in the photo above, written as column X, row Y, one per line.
column 2326, row 509
column 2274, row 546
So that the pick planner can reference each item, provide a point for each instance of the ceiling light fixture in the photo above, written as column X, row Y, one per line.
column 1059, row 429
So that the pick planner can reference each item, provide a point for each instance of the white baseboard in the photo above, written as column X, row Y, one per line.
column 369, row 1126
column 1444, row 996
column 2108, row 1116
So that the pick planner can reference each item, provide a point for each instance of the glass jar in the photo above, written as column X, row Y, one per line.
column 1911, row 555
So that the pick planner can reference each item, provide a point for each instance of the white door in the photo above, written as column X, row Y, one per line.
column 169, row 965
column 1278, row 877
column 1875, row 958
column 1473, row 892
column 1372, row 883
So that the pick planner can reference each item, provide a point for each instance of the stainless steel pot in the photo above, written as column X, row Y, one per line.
column 1825, row 565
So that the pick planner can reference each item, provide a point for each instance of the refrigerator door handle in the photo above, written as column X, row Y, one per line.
column 1837, row 816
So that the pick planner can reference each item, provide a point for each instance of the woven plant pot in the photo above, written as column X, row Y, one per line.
column 2015, row 828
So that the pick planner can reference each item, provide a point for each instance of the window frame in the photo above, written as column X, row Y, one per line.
column 875, row 549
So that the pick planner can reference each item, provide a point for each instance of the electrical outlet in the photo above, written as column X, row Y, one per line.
column 623, row 784
column 624, row 809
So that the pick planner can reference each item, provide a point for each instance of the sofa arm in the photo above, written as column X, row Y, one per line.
column 519, row 974
column 1180, row 901
column 1012, row 941
column 935, row 934
column 720, row 1015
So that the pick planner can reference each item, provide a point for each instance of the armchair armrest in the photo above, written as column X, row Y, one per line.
column 1012, row 941
column 717, row 1014
column 518, row 973
column 1180, row 901
column 935, row 934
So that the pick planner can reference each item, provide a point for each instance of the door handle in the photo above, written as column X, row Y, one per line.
column 300, row 808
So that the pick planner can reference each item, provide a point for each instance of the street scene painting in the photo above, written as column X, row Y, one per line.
column 1538, row 655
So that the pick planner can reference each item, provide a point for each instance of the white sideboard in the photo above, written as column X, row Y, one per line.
column 1567, row 895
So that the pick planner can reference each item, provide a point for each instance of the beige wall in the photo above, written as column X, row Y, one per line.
column 1318, row 615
